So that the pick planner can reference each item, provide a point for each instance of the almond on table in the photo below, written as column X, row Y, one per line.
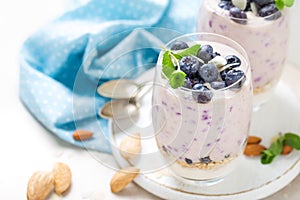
column 39, row 185
column 62, row 177
column 81, row 135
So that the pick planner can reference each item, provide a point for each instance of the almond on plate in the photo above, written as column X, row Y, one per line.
column 122, row 178
column 254, row 149
column 253, row 139
column 286, row 149
column 130, row 146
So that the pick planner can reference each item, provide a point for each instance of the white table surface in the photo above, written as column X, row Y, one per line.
column 27, row 147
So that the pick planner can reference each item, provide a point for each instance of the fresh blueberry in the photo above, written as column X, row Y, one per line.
column 218, row 85
column 178, row 45
column 270, row 12
column 208, row 72
column 226, row 5
column 188, row 161
column 188, row 83
column 224, row 72
column 189, row 65
column 206, row 160
column 233, row 76
column 201, row 93
column 238, row 15
column 263, row 2
column 205, row 53
column 233, row 60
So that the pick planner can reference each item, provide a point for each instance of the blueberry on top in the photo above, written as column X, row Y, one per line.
column 208, row 72
column 205, row 53
column 233, row 60
column 269, row 10
column 238, row 14
column 189, row 65
column 218, row 85
column 201, row 93
column 234, row 75
column 263, row 2
column 226, row 5
column 178, row 45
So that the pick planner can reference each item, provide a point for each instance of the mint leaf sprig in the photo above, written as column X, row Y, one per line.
column 171, row 60
column 290, row 139
column 280, row 4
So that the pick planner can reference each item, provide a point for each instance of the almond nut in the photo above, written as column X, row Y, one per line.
column 286, row 149
column 82, row 135
column 253, row 140
column 39, row 185
column 122, row 178
column 130, row 146
column 254, row 149
column 62, row 177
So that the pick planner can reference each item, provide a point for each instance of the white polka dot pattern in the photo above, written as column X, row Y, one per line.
column 63, row 63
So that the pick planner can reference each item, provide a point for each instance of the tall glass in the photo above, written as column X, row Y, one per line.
column 202, row 140
column 265, row 40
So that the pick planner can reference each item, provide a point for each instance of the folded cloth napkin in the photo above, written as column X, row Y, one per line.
column 62, row 63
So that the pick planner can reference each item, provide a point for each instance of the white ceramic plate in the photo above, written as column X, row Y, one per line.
column 251, row 179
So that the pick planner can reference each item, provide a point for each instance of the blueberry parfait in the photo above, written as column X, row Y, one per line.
column 202, row 105
column 261, row 27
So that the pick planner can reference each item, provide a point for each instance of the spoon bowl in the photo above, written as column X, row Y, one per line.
column 118, row 89
column 124, row 108
column 118, row 109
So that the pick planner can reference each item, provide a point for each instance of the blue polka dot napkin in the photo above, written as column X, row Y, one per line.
column 62, row 63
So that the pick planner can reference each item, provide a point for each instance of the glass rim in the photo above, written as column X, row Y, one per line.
column 243, row 53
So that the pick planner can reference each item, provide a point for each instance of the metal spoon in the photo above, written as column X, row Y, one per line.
column 124, row 108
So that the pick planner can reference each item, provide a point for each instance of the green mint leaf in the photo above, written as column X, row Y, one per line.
column 191, row 51
column 279, row 4
column 167, row 60
column 167, row 65
column 289, row 3
column 292, row 140
column 167, row 70
column 267, row 157
column 177, row 79
column 276, row 147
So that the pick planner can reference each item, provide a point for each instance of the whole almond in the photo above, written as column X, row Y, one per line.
column 82, row 135
column 253, row 139
column 39, row 185
column 254, row 149
column 130, row 146
column 122, row 178
column 286, row 149
column 62, row 177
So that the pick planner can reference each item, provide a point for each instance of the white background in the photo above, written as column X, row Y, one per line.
column 26, row 146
